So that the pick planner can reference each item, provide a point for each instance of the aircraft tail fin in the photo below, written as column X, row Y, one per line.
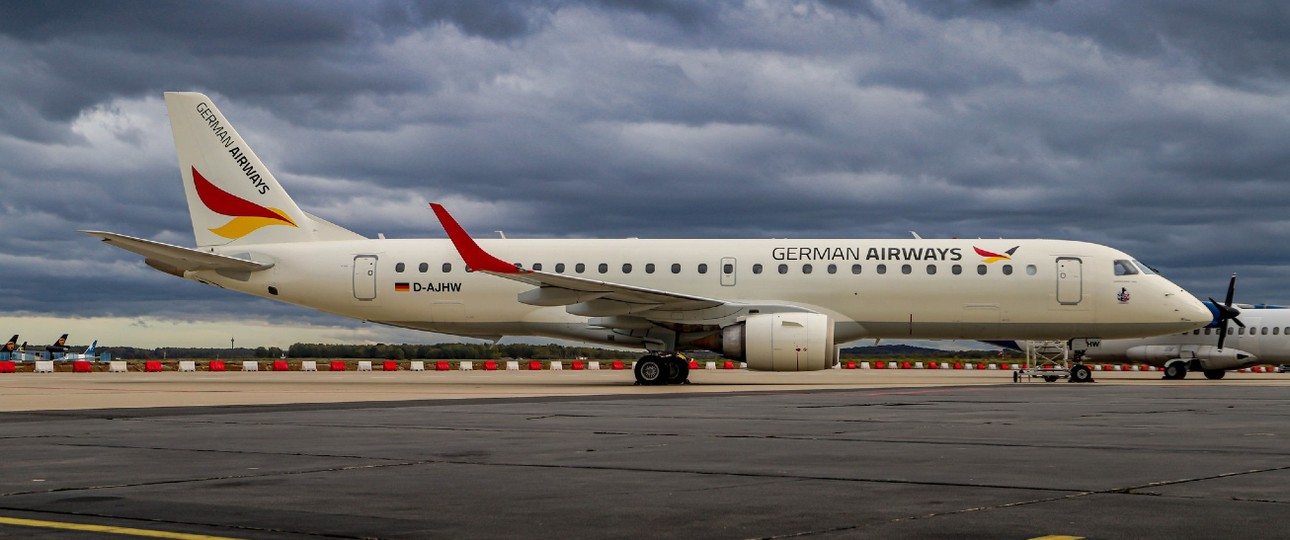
column 12, row 345
column 60, row 345
column 232, row 196
column 93, row 346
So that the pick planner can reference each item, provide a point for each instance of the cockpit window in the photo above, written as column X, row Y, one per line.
column 1125, row 268
column 1145, row 269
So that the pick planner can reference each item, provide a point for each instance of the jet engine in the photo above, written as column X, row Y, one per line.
column 1208, row 356
column 778, row 342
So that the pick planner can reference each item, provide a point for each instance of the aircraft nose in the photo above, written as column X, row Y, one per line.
column 1193, row 310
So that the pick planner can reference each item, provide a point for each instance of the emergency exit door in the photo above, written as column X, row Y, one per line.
column 365, row 277
column 728, row 271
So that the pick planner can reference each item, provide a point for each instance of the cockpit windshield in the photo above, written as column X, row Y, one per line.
column 1145, row 269
column 1125, row 268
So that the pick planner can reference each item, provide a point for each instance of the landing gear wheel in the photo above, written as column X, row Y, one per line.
column 1050, row 378
column 650, row 370
column 1176, row 371
column 678, row 370
column 1215, row 374
column 1081, row 373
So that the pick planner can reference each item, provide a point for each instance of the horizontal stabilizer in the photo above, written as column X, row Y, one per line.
column 180, row 259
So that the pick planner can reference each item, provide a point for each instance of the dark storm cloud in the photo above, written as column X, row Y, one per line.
column 1157, row 128
column 1241, row 43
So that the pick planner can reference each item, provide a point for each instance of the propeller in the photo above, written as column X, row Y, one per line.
column 1226, row 312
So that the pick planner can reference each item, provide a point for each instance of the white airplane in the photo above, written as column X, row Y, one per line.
column 88, row 354
column 780, row 305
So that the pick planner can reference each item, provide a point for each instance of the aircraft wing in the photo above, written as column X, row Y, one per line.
column 584, row 296
column 175, row 259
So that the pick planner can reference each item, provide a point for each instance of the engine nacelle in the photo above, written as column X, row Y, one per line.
column 1211, row 357
column 1208, row 356
column 781, row 342
column 1153, row 354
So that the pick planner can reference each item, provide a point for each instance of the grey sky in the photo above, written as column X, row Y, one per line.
column 1158, row 128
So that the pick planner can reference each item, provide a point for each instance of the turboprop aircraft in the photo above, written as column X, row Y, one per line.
column 1260, row 335
column 779, row 305
column 1213, row 350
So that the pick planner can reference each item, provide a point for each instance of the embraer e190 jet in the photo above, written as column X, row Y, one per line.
column 778, row 305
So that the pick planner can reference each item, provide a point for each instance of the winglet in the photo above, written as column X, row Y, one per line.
column 476, row 258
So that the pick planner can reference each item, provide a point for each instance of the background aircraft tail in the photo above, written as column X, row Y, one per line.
column 60, row 345
column 232, row 196
column 12, row 345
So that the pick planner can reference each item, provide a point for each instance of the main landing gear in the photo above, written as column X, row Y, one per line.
column 654, row 370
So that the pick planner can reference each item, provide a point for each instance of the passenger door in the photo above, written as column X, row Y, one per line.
column 1070, row 283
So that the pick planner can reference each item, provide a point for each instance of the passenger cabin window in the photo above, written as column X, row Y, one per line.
column 727, row 268
column 855, row 269
column 757, row 268
column 602, row 268
column 399, row 268
column 931, row 269
column 981, row 269
column 446, row 268
column 1263, row 331
column 1125, row 268
column 906, row 269
column 537, row 266
column 806, row 268
column 703, row 268
column 956, row 269
column 1031, row 270
column 627, row 268
column 676, row 268
column 833, row 268
column 1275, row 329
column 580, row 268
column 882, row 269
column 423, row 267
column 559, row 268
column 783, row 268
column 1007, row 269
column 649, row 268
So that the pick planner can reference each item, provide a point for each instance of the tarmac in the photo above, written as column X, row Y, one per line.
column 833, row 454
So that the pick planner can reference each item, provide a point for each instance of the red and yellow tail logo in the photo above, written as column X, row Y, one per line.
column 248, row 217
column 992, row 257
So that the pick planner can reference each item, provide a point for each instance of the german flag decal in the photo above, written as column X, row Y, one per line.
column 401, row 287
